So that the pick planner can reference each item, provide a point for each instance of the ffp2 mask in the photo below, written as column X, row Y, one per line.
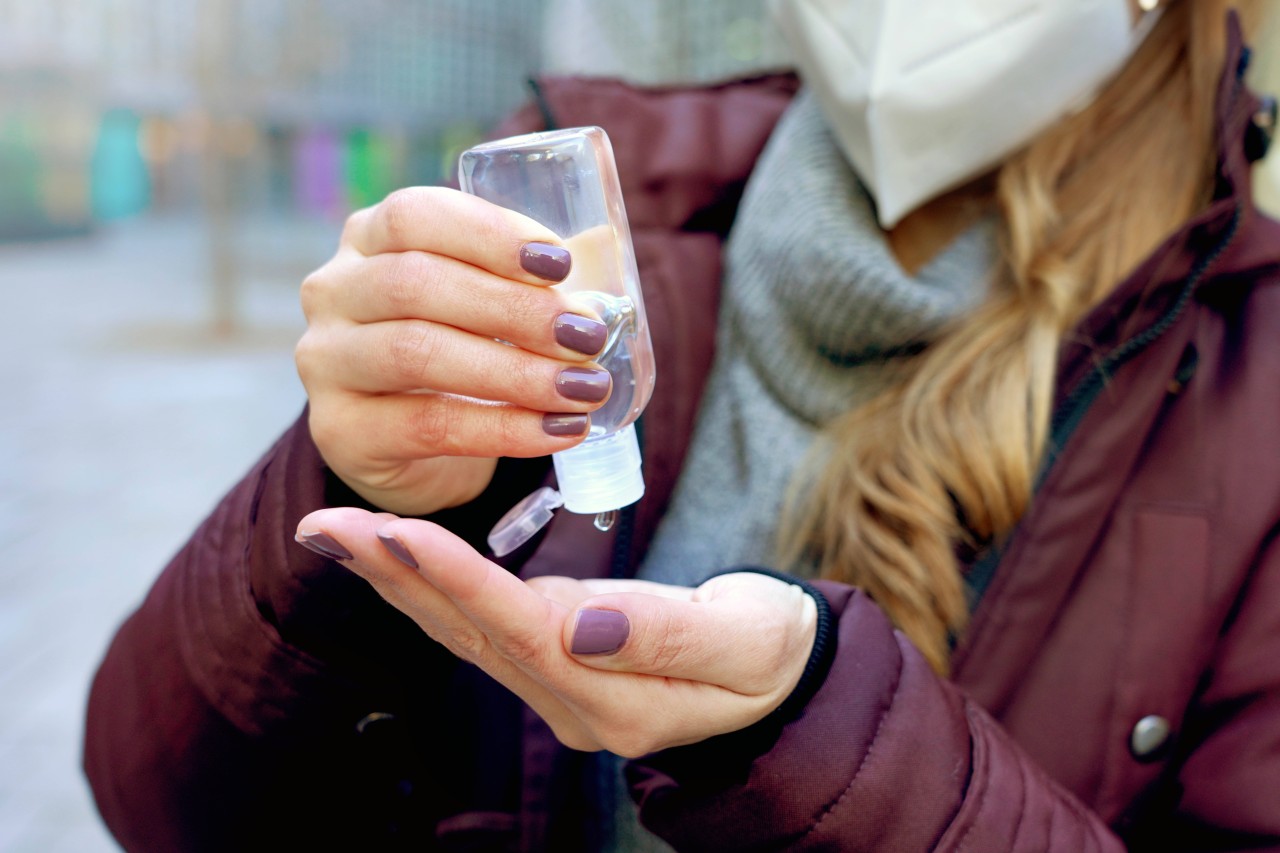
column 924, row 95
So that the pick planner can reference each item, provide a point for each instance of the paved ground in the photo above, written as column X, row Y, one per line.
column 123, row 419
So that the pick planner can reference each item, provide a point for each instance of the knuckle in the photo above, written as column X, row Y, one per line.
column 469, row 645
column 523, row 308
column 532, row 375
column 433, row 424
column 404, row 279
column 510, row 428
column 307, row 358
column 412, row 349
column 399, row 212
column 524, row 648
column 663, row 642
column 346, row 237
column 351, row 227
column 492, row 226
column 311, row 293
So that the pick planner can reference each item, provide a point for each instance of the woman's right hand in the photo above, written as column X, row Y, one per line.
column 413, row 392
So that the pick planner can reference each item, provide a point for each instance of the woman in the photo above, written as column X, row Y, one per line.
column 1045, row 404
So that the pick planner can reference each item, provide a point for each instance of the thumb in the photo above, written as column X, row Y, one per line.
column 753, row 644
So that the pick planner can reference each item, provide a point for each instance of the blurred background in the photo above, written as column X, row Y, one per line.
column 169, row 171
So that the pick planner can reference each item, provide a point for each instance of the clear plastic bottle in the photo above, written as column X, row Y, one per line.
column 567, row 181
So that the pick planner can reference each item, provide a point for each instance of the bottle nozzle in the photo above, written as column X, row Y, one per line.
column 601, row 474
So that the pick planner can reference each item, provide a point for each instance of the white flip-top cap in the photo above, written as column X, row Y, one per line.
column 601, row 474
column 597, row 476
column 518, row 525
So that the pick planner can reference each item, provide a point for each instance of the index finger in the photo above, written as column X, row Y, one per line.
column 436, row 577
column 454, row 224
column 519, row 623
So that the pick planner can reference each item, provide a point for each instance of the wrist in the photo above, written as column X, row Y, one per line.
column 733, row 751
column 821, row 653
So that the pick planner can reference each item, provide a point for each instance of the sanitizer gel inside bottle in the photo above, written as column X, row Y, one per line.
column 567, row 181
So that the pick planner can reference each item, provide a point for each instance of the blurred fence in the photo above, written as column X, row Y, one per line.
column 113, row 107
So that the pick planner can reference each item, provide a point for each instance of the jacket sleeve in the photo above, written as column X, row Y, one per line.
column 235, row 702
column 885, row 756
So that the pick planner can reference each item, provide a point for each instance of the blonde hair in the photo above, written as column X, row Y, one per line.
column 946, row 459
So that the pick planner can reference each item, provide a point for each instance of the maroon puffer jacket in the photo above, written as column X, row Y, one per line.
column 1120, row 684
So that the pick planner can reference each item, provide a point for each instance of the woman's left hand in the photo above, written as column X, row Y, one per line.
column 628, row 666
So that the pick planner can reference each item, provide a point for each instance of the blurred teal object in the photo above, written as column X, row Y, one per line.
column 120, row 183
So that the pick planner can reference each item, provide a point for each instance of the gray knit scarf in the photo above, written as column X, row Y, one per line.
column 815, row 314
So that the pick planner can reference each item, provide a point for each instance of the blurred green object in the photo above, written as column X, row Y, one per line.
column 19, row 177
column 120, row 184
column 43, row 172
column 370, row 167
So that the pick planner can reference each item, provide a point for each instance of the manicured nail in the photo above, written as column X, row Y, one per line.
column 581, row 334
column 545, row 261
column 599, row 632
column 397, row 549
column 324, row 544
column 565, row 424
column 587, row 384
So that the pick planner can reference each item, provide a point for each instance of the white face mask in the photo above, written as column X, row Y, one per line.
column 924, row 95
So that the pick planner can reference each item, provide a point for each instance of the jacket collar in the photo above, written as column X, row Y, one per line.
column 1225, row 247
column 1244, row 125
column 1244, row 121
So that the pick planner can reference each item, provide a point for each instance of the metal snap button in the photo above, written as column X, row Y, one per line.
column 1265, row 117
column 1149, row 737
column 1261, row 130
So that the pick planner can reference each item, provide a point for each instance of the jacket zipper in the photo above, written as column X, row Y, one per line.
column 1078, row 401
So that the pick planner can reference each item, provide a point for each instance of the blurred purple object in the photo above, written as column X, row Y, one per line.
column 317, row 170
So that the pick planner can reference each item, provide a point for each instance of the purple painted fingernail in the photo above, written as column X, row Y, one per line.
column 581, row 334
column 587, row 384
column 323, row 544
column 397, row 549
column 599, row 632
column 561, row 425
column 545, row 261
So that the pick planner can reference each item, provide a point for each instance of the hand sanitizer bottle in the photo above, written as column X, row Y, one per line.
column 567, row 181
